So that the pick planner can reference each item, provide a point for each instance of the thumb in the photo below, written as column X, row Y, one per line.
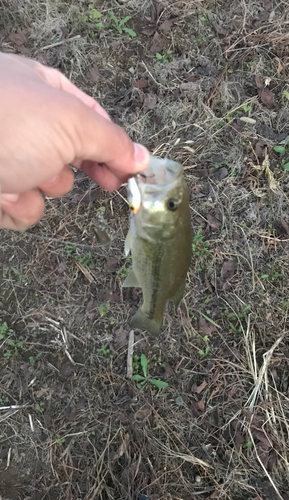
column 102, row 141
column 103, row 149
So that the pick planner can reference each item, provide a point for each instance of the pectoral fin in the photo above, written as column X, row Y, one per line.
column 143, row 322
column 179, row 295
column 127, row 244
column 131, row 280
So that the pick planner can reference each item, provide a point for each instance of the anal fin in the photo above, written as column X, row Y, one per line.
column 131, row 280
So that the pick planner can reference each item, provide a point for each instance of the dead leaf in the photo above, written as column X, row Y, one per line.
column 205, row 327
column 120, row 337
column 209, row 70
column 149, row 30
column 199, row 388
column 158, row 43
column 166, row 25
column 142, row 83
column 201, row 172
column 91, row 309
column 200, row 405
column 220, row 174
column 279, row 64
column 229, row 268
column 111, row 264
column 285, row 226
column 260, row 150
column 92, row 73
column 66, row 371
column 213, row 222
column 189, row 86
column 142, row 414
column 259, row 82
column 267, row 98
column 18, row 38
column 150, row 102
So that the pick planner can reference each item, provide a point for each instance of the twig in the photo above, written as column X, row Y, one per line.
column 262, row 372
column 129, row 369
column 56, row 44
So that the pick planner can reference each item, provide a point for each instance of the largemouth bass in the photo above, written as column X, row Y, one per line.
column 159, row 239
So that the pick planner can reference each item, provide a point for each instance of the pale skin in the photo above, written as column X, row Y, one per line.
column 47, row 124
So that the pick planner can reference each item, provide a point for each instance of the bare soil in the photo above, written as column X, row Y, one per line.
column 216, row 98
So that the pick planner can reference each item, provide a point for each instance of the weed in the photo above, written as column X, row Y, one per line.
column 103, row 308
column 246, row 107
column 272, row 274
column 14, row 344
column 105, row 352
column 40, row 407
column 206, row 352
column 4, row 330
column 236, row 318
column 70, row 249
column 199, row 246
column 92, row 15
column 283, row 148
column 59, row 440
column 123, row 271
column 119, row 25
column 33, row 359
column 143, row 379
column 165, row 57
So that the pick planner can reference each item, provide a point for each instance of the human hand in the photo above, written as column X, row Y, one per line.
column 47, row 123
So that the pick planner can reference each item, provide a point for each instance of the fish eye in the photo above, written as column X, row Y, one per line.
column 173, row 204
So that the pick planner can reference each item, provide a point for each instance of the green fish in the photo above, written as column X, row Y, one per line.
column 159, row 239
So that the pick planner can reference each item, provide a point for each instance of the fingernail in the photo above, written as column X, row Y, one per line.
column 9, row 197
column 141, row 156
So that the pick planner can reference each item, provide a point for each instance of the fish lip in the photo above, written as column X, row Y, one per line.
column 175, row 170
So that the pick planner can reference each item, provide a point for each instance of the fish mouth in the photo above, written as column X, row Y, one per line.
column 161, row 171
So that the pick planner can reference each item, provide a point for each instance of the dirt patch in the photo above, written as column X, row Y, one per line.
column 205, row 83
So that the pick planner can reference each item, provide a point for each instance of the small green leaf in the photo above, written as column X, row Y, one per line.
column 113, row 18
column 159, row 56
column 144, row 364
column 129, row 32
column 264, row 276
column 103, row 308
column 286, row 166
column 279, row 149
column 158, row 383
column 94, row 14
column 99, row 25
column 124, row 20
column 138, row 378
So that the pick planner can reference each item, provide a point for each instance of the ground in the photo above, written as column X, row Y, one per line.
column 204, row 83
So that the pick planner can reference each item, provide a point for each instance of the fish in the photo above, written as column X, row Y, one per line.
column 159, row 239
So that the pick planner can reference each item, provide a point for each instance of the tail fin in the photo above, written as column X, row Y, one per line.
column 140, row 320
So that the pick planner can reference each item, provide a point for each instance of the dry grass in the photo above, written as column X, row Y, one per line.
column 72, row 425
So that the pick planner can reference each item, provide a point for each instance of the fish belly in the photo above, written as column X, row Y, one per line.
column 160, row 268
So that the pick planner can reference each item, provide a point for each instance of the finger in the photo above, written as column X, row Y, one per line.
column 22, row 213
column 56, row 79
column 102, row 175
column 59, row 185
column 103, row 141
